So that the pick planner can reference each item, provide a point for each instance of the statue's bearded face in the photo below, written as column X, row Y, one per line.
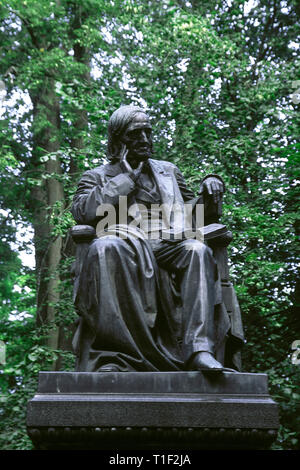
column 137, row 137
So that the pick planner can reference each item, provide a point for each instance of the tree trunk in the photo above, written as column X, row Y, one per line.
column 49, row 191
column 79, row 125
column 81, row 55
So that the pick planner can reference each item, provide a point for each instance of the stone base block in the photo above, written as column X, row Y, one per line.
column 152, row 410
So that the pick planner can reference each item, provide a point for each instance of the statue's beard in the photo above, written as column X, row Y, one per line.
column 140, row 152
column 143, row 152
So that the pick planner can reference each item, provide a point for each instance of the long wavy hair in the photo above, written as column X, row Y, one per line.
column 117, row 124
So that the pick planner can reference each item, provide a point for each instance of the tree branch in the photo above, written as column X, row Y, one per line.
column 27, row 26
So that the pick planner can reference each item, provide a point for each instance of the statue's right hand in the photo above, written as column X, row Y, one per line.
column 126, row 167
column 124, row 163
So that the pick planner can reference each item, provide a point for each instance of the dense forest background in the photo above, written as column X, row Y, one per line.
column 221, row 81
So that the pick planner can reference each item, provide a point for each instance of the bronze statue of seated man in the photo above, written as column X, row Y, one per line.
column 147, row 301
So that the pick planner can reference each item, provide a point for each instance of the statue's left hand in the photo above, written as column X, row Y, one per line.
column 214, row 187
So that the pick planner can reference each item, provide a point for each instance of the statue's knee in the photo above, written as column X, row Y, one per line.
column 198, row 249
column 196, row 245
column 108, row 243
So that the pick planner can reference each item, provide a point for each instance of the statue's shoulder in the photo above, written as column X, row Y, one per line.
column 100, row 171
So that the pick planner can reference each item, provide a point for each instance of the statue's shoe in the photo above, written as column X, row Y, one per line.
column 205, row 361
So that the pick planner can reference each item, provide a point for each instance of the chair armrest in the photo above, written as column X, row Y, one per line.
column 222, row 240
column 216, row 235
column 83, row 233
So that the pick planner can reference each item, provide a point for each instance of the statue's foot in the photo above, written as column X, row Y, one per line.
column 205, row 361
column 109, row 368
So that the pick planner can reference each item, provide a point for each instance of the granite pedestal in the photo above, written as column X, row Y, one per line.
column 152, row 410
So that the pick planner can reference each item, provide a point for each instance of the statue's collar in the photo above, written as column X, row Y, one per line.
column 156, row 166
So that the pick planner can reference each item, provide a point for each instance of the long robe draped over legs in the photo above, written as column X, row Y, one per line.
column 120, row 292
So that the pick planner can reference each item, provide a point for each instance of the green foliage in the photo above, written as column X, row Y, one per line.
column 218, row 80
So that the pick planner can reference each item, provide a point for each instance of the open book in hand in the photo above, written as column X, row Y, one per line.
column 213, row 231
column 205, row 233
